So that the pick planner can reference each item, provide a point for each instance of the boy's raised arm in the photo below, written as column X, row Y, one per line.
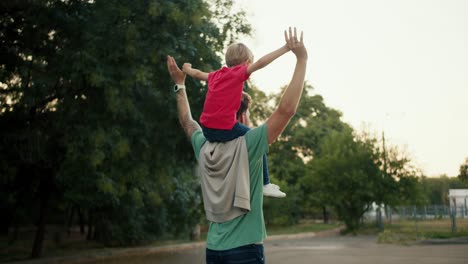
column 194, row 73
column 267, row 59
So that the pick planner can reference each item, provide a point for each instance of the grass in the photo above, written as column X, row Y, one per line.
column 302, row 227
column 406, row 231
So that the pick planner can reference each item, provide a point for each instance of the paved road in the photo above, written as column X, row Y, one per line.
column 329, row 250
column 362, row 250
column 302, row 249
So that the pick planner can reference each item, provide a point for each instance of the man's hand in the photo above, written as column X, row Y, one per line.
column 295, row 45
column 176, row 74
column 183, row 108
column 292, row 94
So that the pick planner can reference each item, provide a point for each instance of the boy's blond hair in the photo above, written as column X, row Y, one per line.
column 237, row 54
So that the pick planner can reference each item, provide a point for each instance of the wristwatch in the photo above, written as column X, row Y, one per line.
column 178, row 87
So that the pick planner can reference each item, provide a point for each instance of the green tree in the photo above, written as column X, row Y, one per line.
column 463, row 171
column 436, row 190
column 400, row 179
column 297, row 145
column 387, row 176
column 346, row 176
column 86, row 120
column 260, row 109
column 456, row 183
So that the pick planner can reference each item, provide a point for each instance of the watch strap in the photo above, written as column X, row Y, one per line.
column 178, row 87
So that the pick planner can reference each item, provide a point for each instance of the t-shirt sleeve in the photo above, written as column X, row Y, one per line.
column 241, row 72
column 198, row 139
column 257, row 142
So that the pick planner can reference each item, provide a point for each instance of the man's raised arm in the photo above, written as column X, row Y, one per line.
column 290, row 99
column 183, row 108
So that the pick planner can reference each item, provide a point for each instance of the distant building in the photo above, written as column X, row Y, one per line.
column 459, row 201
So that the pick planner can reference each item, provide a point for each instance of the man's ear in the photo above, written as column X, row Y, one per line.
column 242, row 118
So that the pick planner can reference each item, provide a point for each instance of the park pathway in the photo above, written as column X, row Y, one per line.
column 323, row 248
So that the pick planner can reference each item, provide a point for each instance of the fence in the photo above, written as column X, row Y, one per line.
column 425, row 219
column 428, row 212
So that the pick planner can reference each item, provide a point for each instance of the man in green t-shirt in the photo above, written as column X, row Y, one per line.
column 239, row 240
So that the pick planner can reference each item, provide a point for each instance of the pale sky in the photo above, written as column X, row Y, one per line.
column 398, row 66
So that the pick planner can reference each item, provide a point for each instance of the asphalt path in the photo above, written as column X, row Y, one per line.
column 363, row 250
column 301, row 249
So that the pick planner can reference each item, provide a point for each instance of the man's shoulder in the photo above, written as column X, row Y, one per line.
column 256, row 134
column 260, row 128
column 198, row 137
column 256, row 140
column 198, row 140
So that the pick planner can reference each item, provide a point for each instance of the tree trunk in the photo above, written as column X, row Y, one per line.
column 195, row 234
column 89, row 236
column 325, row 215
column 81, row 220
column 14, row 235
column 70, row 219
column 5, row 222
column 44, row 195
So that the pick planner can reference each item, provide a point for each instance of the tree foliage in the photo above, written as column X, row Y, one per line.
column 463, row 171
column 297, row 145
column 86, row 113
column 346, row 175
column 326, row 168
column 400, row 183
column 436, row 189
column 87, row 120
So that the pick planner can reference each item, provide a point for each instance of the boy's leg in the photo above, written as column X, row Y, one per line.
column 218, row 135
column 266, row 175
column 240, row 129
column 270, row 189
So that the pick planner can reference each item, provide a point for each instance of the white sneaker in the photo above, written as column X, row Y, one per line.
column 272, row 190
column 274, row 186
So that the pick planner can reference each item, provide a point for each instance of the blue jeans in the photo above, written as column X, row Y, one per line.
column 248, row 254
column 219, row 135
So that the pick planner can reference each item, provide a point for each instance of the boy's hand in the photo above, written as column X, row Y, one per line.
column 186, row 67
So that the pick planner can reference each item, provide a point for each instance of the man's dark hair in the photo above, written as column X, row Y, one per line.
column 246, row 100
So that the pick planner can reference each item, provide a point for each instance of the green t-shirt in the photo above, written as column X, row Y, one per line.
column 250, row 227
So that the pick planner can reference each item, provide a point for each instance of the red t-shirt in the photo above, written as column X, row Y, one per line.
column 223, row 97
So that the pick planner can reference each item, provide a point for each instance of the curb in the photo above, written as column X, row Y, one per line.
column 330, row 232
column 451, row 241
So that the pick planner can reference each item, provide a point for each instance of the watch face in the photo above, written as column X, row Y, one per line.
column 178, row 87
